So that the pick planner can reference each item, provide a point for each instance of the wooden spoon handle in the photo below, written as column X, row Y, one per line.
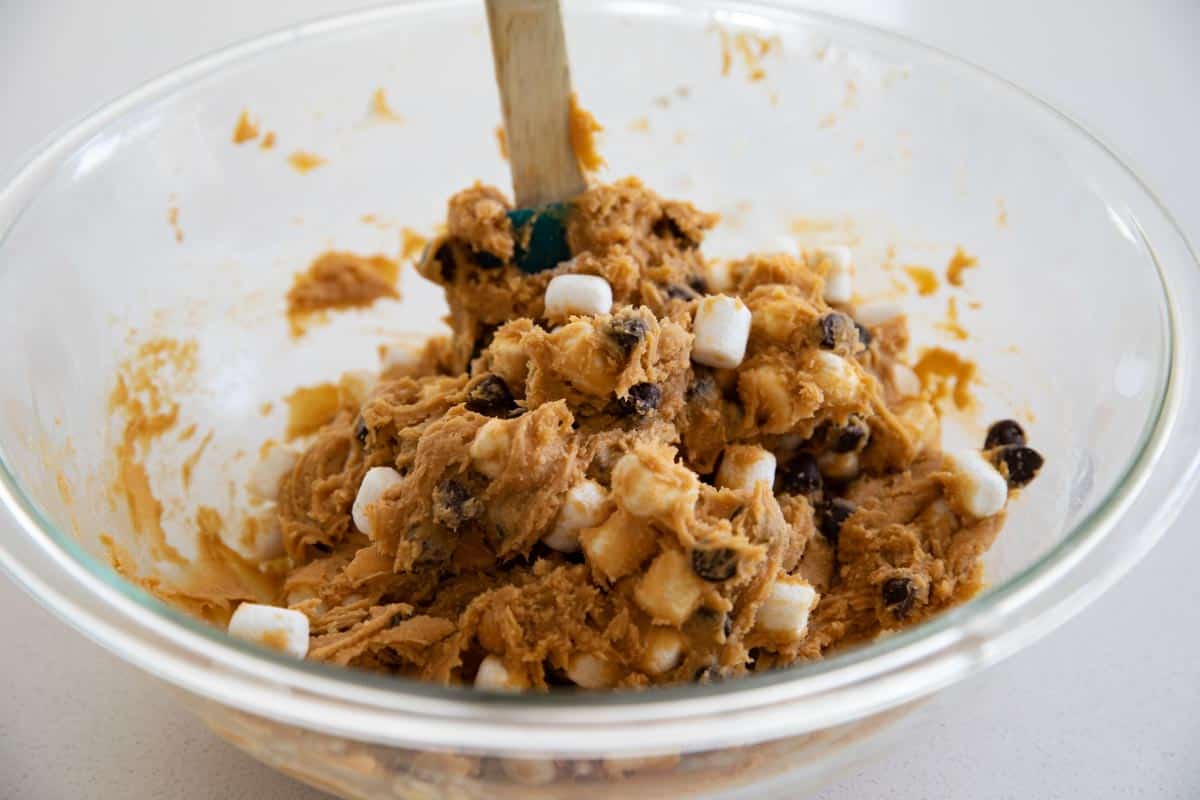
column 530, row 52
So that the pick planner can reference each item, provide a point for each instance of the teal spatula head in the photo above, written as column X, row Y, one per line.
column 541, row 235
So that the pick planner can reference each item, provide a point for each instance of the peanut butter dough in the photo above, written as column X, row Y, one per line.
column 564, row 505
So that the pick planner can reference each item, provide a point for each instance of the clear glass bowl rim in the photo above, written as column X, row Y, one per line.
column 91, row 597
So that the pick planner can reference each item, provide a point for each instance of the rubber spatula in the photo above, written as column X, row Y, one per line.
column 534, row 78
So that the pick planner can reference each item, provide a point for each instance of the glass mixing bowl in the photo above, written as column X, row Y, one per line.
column 145, row 220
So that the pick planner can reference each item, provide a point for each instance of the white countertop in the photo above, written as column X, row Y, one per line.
column 1106, row 707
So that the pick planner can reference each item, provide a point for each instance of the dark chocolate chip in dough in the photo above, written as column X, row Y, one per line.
column 454, row 505
column 361, row 430
column 703, row 386
column 486, row 260
column 830, row 517
column 667, row 228
column 898, row 595
column 864, row 335
column 483, row 339
column 833, row 326
column 627, row 333
column 801, row 475
column 716, row 564
column 491, row 397
column 445, row 258
column 698, row 284
column 1019, row 465
column 642, row 399
column 677, row 292
column 1004, row 432
column 850, row 437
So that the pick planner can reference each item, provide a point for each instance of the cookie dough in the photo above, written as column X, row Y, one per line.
column 575, row 500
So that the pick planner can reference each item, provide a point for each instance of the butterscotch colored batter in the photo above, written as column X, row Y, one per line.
column 566, row 503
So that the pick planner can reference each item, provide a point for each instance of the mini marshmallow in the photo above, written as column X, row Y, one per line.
column 266, row 475
column 586, row 506
column 578, row 294
column 645, row 490
column 839, row 279
column 905, row 380
column 280, row 629
column 877, row 314
column 719, row 276
column 669, row 591
column 489, row 448
column 722, row 328
column 618, row 546
column 374, row 484
column 785, row 610
column 979, row 487
column 492, row 674
column 664, row 650
column 836, row 377
column 839, row 466
column 744, row 465
column 592, row 672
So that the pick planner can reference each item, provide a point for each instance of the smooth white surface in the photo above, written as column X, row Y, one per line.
column 1107, row 707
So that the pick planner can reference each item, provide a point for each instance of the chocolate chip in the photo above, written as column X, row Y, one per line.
column 323, row 547
column 698, row 284
column 703, row 385
column 1004, row 432
column 486, row 260
column 445, row 258
column 491, row 397
column 833, row 327
column 642, row 399
column 716, row 565
column 801, row 475
column 676, row 292
column 361, row 430
column 667, row 228
column 454, row 505
column 864, row 335
column 1019, row 464
column 483, row 339
column 830, row 517
column 898, row 595
column 850, row 437
column 627, row 333
column 709, row 674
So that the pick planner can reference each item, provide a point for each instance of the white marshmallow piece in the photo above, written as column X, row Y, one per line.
column 591, row 672
column 280, row 629
column 905, row 380
column 582, row 295
column 492, row 674
column 785, row 610
column 722, row 328
column 836, row 377
column 979, row 487
column 268, row 472
column 719, row 275
column 744, row 465
column 586, row 506
column 839, row 279
column 489, row 448
column 877, row 314
column 664, row 650
column 374, row 484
